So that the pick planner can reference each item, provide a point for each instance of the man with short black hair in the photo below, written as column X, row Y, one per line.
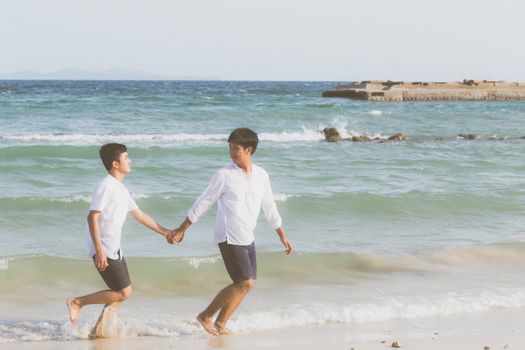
column 241, row 189
column 110, row 205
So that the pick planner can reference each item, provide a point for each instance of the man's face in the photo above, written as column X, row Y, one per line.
column 123, row 164
column 238, row 153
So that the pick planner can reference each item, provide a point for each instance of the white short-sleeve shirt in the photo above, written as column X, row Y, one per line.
column 113, row 200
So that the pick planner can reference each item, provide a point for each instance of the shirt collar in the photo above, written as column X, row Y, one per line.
column 235, row 166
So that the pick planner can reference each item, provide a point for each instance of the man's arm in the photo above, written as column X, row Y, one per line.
column 210, row 195
column 284, row 240
column 148, row 221
column 273, row 217
column 101, row 262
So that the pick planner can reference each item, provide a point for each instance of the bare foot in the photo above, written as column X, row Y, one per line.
column 221, row 329
column 74, row 311
column 206, row 324
column 95, row 333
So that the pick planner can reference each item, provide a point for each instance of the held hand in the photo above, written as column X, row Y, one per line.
column 170, row 237
column 101, row 262
column 178, row 235
column 175, row 236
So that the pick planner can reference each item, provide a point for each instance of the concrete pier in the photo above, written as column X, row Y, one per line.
column 390, row 91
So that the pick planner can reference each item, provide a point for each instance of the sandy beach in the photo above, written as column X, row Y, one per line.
column 501, row 329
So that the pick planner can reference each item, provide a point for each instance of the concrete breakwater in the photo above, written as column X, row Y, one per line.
column 391, row 91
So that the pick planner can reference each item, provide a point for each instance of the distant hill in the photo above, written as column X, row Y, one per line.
column 80, row 74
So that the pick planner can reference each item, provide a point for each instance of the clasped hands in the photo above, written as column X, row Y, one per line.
column 175, row 236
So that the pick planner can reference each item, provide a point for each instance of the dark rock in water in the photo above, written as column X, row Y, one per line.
column 439, row 138
column 360, row 138
column 469, row 136
column 397, row 137
column 331, row 135
column 396, row 345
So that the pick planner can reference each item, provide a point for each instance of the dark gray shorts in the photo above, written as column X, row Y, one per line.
column 116, row 275
column 239, row 260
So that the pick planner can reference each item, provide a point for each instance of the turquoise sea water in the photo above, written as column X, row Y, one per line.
column 427, row 212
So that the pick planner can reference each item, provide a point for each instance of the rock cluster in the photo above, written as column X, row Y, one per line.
column 332, row 135
column 469, row 136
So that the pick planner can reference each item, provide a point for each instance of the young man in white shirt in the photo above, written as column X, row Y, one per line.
column 110, row 205
column 241, row 189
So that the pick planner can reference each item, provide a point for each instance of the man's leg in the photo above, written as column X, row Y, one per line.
column 98, row 331
column 107, row 297
column 221, row 299
column 248, row 269
column 241, row 265
column 227, row 310
column 226, row 301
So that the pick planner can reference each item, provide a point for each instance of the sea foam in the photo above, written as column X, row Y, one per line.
column 149, row 140
column 282, row 197
column 159, row 324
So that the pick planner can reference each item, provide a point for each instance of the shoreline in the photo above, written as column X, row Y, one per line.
column 498, row 329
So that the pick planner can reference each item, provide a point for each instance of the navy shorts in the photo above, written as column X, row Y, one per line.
column 116, row 275
column 239, row 260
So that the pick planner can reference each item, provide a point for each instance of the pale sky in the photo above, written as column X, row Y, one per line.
column 269, row 39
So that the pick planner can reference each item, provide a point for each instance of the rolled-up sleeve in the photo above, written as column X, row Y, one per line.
column 270, row 209
column 207, row 198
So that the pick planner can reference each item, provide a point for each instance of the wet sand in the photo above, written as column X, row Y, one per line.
column 501, row 329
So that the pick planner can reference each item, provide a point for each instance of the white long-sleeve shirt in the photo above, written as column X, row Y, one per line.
column 240, row 200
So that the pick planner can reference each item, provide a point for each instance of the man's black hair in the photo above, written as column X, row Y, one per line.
column 111, row 152
column 244, row 137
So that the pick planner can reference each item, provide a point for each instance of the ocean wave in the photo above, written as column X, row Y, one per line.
column 394, row 204
column 283, row 197
column 66, row 199
column 149, row 140
column 299, row 269
column 196, row 262
column 98, row 139
column 184, row 139
column 77, row 198
column 330, row 205
column 379, row 309
column 299, row 136
column 465, row 255
column 302, row 268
